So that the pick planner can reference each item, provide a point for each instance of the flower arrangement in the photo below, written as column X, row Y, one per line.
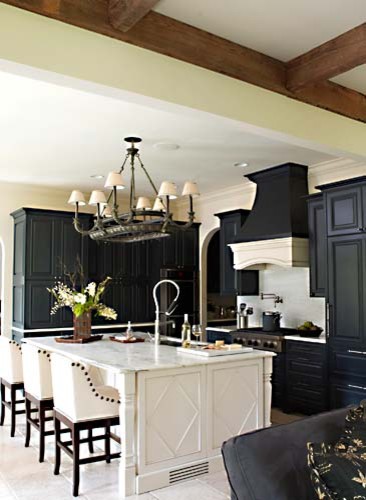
column 81, row 302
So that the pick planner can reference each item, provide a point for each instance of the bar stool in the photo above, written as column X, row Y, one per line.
column 38, row 393
column 11, row 377
column 80, row 405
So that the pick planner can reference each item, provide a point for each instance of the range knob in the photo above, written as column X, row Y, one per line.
column 266, row 344
column 255, row 342
column 274, row 345
column 250, row 342
column 237, row 340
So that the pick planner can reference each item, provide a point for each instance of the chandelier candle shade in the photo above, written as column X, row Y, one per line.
column 140, row 222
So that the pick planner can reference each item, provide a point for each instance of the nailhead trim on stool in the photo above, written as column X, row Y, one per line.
column 72, row 447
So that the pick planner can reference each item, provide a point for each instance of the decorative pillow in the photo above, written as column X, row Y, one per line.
column 338, row 472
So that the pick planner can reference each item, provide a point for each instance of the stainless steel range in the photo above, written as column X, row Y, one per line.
column 253, row 337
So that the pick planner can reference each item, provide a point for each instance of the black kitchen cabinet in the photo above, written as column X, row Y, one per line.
column 347, row 290
column 231, row 281
column 180, row 249
column 46, row 246
column 346, row 210
column 317, row 245
column 306, row 377
column 213, row 264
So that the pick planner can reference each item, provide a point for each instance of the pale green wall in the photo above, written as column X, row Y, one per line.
column 50, row 45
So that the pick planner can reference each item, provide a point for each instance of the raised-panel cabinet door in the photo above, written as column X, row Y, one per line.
column 346, row 289
column 344, row 211
column 189, row 247
column 38, row 305
column 72, row 246
column 43, row 247
column 170, row 247
column 317, row 247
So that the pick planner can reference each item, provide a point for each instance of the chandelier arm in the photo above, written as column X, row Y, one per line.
column 147, row 175
column 85, row 232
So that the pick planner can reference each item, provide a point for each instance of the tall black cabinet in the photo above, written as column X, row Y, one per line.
column 345, row 237
column 46, row 244
column 231, row 281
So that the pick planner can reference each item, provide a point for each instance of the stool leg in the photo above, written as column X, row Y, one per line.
column 90, row 441
column 76, row 459
column 108, row 444
column 2, row 390
column 27, row 423
column 57, row 425
column 41, row 417
column 13, row 397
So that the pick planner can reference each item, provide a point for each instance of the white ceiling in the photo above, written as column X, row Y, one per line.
column 279, row 28
column 354, row 79
column 58, row 136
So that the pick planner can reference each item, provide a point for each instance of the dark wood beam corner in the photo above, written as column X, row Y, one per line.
column 124, row 14
column 328, row 60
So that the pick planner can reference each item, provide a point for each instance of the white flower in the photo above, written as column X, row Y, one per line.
column 80, row 298
column 107, row 312
column 91, row 289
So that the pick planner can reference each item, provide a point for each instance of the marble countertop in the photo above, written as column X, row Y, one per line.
column 120, row 358
column 319, row 340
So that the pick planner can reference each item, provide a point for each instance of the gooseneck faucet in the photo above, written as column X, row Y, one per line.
column 168, row 312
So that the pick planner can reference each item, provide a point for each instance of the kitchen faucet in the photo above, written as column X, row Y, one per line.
column 168, row 312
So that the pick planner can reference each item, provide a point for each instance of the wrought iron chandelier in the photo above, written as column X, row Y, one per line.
column 143, row 221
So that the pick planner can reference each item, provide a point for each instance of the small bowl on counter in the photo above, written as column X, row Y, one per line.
column 315, row 333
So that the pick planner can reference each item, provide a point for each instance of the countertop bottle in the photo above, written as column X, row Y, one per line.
column 186, row 332
column 129, row 331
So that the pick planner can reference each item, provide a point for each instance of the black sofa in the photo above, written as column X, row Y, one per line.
column 271, row 464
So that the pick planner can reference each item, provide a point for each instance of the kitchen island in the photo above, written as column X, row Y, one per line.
column 176, row 409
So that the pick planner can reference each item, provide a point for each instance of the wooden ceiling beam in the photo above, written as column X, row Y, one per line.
column 167, row 36
column 124, row 14
column 328, row 60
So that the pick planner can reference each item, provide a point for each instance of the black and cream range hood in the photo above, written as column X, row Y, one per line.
column 276, row 230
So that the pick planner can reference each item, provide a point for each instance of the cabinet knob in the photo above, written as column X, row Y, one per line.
column 360, row 229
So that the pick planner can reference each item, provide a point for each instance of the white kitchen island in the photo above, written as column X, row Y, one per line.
column 176, row 409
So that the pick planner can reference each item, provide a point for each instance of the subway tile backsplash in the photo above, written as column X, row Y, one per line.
column 292, row 284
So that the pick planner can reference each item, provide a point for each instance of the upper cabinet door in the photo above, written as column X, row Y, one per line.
column 344, row 211
column 317, row 247
column 43, row 246
column 71, row 248
column 346, row 290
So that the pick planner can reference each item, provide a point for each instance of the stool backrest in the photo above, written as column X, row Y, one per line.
column 37, row 372
column 74, row 393
column 11, row 368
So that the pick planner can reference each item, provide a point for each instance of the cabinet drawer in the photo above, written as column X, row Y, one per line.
column 305, row 350
column 306, row 392
column 306, row 407
column 346, row 394
column 311, row 372
column 351, row 362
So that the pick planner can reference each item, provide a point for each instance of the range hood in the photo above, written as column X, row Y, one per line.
column 276, row 230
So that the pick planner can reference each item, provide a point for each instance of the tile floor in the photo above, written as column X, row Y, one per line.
column 23, row 478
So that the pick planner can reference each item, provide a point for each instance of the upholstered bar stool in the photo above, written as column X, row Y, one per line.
column 11, row 377
column 80, row 405
column 38, row 393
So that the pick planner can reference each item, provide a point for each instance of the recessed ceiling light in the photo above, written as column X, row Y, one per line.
column 241, row 164
column 97, row 176
column 166, row 146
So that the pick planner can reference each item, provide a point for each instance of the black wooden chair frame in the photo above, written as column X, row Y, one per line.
column 74, row 452
column 12, row 404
